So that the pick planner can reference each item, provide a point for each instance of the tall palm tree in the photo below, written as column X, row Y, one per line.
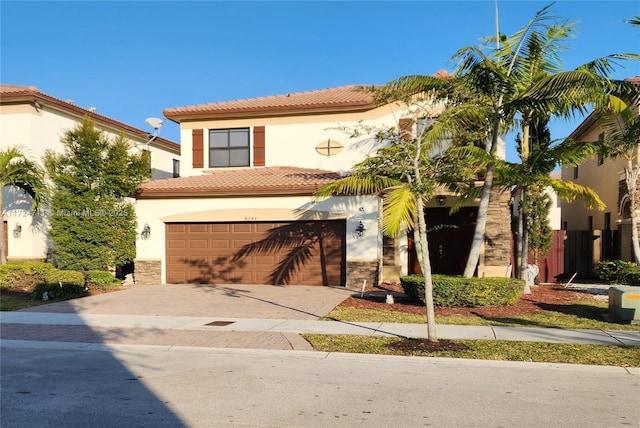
column 507, row 86
column 17, row 170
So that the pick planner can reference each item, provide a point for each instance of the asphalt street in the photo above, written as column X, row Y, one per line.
column 151, row 386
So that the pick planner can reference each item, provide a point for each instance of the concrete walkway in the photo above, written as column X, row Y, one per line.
column 259, row 317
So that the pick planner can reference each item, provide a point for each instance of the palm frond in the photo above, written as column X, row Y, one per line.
column 399, row 209
column 571, row 192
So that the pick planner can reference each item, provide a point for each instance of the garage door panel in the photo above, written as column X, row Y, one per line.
column 176, row 243
column 257, row 253
column 242, row 228
column 198, row 228
column 220, row 227
column 218, row 244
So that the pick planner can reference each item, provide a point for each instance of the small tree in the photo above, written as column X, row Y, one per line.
column 407, row 176
column 19, row 171
column 540, row 234
column 93, row 225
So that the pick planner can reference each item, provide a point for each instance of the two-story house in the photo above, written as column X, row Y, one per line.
column 36, row 121
column 244, row 212
column 594, row 235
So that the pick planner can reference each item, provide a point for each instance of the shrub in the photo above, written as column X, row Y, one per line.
column 61, row 284
column 618, row 271
column 469, row 292
column 99, row 278
column 59, row 290
column 25, row 274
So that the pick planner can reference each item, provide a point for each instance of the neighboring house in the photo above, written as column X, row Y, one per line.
column 243, row 210
column 36, row 122
column 594, row 235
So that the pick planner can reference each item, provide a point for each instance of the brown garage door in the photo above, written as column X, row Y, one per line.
column 306, row 253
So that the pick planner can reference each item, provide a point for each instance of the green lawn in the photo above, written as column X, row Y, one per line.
column 503, row 350
column 587, row 314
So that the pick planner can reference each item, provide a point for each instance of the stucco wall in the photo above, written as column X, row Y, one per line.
column 292, row 140
column 36, row 131
column 603, row 179
column 155, row 212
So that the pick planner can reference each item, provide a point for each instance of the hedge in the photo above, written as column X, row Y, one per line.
column 467, row 292
column 100, row 278
column 13, row 273
column 61, row 284
column 618, row 272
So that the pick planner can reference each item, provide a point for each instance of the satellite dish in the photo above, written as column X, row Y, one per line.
column 154, row 122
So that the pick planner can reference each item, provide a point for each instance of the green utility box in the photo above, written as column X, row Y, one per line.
column 624, row 304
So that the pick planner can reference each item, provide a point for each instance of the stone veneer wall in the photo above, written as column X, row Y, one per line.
column 358, row 271
column 497, row 244
column 147, row 271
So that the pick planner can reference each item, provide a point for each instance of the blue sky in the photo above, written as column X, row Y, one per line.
column 131, row 60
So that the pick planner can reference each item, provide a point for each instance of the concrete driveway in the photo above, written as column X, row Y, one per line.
column 195, row 300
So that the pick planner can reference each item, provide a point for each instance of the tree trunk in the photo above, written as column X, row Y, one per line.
column 524, row 256
column 3, row 237
column 631, row 176
column 425, row 264
column 481, row 224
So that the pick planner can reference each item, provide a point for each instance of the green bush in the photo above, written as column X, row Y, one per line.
column 72, row 277
column 618, row 271
column 59, row 291
column 100, row 278
column 467, row 292
column 61, row 284
column 23, row 273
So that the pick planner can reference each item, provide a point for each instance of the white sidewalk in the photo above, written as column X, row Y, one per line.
column 601, row 337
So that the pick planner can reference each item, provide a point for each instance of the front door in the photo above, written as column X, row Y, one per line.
column 450, row 237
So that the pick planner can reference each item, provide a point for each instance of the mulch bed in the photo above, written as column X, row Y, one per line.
column 543, row 297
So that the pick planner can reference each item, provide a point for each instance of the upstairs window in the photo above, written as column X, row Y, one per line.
column 228, row 147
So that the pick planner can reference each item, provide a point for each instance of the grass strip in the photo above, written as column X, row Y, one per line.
column 576, row 315
column 501, row 350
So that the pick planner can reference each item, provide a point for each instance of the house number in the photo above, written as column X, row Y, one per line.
column 250, row 218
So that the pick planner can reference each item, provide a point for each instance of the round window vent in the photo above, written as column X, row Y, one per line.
column 329, row 147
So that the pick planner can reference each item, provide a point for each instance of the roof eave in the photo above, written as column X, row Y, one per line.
column 178, row 117
column 227, row 193
column 32, row 97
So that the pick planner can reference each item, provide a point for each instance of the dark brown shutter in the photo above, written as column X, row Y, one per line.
column 198, row 149
column 258, row 146
column 404, row 126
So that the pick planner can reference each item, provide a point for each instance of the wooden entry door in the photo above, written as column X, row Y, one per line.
column 449, row 238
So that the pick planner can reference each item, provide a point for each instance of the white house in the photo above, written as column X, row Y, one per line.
column 243, row 210
column 36, row 122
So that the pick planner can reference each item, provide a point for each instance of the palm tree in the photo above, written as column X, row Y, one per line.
column 17, row 170
column 509, row 87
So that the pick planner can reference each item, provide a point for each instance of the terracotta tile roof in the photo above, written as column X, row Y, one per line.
column 635, row 79
column 30, row 94
column 351, row 97
column 274, row 180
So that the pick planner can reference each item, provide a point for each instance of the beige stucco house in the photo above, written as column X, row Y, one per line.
column 596, row 235
column 36, row 122
column 243, row 209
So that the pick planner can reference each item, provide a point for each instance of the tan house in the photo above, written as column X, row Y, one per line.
column 594, row 235
column 243, row 210
column 36, row 122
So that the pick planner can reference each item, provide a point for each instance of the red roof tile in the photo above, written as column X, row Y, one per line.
column 250, row 181
column 344, row 97
column 17, row 93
